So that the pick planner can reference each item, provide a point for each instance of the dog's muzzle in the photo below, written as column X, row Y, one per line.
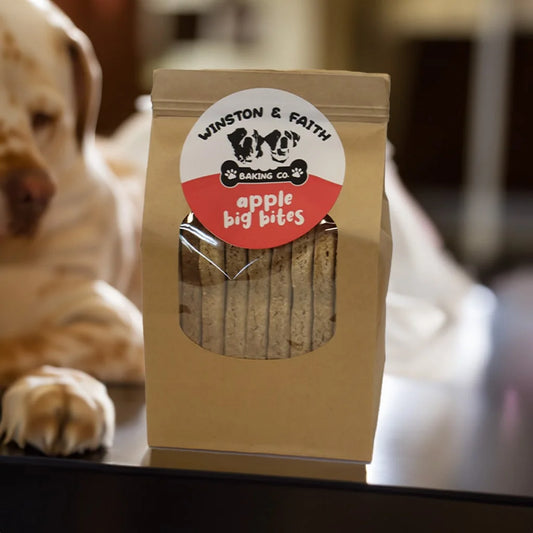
column 28, row 192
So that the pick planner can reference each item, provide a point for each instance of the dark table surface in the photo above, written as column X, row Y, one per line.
column 453, row 452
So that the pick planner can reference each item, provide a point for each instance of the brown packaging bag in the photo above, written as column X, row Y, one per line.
column 254, row 345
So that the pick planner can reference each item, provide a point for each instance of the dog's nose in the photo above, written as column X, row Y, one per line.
column 28, row 193
column 33, row 187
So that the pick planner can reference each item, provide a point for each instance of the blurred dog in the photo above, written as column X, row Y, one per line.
column 68, row 241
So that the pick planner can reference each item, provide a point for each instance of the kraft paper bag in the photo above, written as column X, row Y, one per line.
column 266, row 255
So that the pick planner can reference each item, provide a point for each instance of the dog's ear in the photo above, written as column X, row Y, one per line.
column 87, row 83
column 293, row 136
column 272, row 138
column 86, row 72
column 258, row 143
column 296, row 138
column 237, row 136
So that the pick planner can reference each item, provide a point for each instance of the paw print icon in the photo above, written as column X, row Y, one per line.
column 229, row 174
column 298, row 171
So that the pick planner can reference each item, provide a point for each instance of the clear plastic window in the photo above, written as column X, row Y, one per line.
column 261, row 304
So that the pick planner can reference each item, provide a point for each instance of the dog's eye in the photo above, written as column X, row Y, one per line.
column 41, row 120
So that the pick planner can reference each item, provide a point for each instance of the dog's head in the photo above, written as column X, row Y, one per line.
column 281, row 144
column 49, row 98
column 246, row 146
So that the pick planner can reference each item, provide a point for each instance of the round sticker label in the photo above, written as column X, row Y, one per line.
column 261, row 167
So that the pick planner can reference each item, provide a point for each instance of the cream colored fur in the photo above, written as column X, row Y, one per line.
column 63, row 284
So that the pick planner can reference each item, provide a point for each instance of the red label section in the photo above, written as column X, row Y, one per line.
column 260, row 215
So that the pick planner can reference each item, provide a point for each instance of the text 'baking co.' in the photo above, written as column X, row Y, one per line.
column 232, row 174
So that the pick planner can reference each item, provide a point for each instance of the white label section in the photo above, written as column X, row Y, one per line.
column 262, row 128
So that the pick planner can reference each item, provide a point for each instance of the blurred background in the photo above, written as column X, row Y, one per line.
column 460, row 104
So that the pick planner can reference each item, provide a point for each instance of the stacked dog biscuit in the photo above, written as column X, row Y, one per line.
column 262, row 304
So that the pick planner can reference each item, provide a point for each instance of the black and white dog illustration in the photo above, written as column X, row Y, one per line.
column 246, row 146
column 281, row 144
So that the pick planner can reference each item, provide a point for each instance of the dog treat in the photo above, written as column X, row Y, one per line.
column 190, row 286
column 302, row 294
column 212, row 277
column 236, row 300
column 324, row 282
column 279, row 321
column 258, row 303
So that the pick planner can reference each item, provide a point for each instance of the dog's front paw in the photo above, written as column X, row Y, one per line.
column 60, row 411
